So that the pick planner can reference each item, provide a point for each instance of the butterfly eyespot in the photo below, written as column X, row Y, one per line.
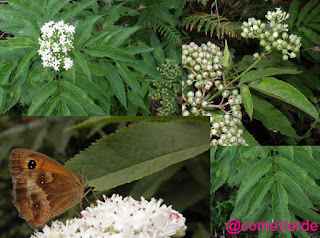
column 42, row 182
column 36, row 206
column 32, row 164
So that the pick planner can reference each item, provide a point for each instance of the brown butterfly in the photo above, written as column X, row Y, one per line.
column 42, row 188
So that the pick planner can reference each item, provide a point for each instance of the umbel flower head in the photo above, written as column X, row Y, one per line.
column 273, row 35
column 55, row 42
column 118, row 217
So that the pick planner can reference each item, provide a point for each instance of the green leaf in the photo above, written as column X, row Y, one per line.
column 84, row 32
column 15, row 95
column 247, row 99
column 129, row 78
column 305, row 11
column 51, row 105
column 248, row 137
column 226, row 56
column 293, row 13
column 271, row 117
column 79, row 95
column 82, row 62
column 299, row 175
column 65, row 109
column 116, row 84
column 179, row 140
column 285, row 92
column 310, row 34
column 55, row 6
column 24, row 7
column 137, row 100
column 306, row 214
column 261, row 73
column 138, row 49
column 93, row 39
column 42, row 96
column 75, row 9
column 280, row 205
column 5, row 79
column 24, row 63
column 259, row 193
column 120, row 55
column 120, row 38
column 74, row 106
column 259, row 169
column 306, row 162
column 294, row 189
column 34, row 33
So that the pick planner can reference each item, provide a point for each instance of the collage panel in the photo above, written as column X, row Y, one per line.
column 151, row 173
column 90, row 57
column 253, row 67
column 265, row 191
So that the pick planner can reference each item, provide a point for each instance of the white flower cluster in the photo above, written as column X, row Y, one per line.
column 225, row 129
column 118, row 217
column 273, row 35
column 204, row 74
column 55, row 42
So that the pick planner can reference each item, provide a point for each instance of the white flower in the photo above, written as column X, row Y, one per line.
column 55, row 42
column 118, row 217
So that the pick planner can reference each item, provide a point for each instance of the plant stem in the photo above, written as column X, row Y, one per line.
column 236, row 79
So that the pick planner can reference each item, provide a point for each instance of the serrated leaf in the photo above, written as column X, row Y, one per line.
column 137, row 100
column 51, row 105
column 129, row 78
column 115, row 160
column 299, row 175
column 285, row 92
column 271, row 117
column 116, row 84
column 55, row 6
column 120, row 55
column 306, row 162
column 280, row 205
column 294, row 189
column 259, row 169
column 247, row 99
column 94, row 121
column 75, row 9
column 24, row 63
column 82, row 62
column 42, row 96
column 310, row 34
column 293, row 13
column 120, row 38
column 84, row 32
column 305, row 11
column 75, row 107
column 265, row 72
column 259, row 194
column 82, row 97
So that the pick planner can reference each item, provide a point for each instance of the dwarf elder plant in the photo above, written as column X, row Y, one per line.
column 76, row 58
column 265, row 184
column 224, row 86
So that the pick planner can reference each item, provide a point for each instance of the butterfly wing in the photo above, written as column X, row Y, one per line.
column 39, row 196
column 42, row 188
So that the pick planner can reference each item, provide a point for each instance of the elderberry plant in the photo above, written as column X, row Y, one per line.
column 167, row 91
column 273, row 35
column 212, row 86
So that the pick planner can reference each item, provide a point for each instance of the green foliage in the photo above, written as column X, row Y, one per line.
column 283, row 180
column 305, row 22
column 176, row 172
column 110, row 75
column 211, row 24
